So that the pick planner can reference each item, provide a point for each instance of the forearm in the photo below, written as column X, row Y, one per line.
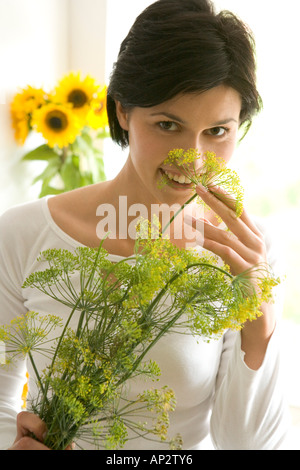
column 255, row 337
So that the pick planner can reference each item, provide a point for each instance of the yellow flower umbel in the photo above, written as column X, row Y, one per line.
column 57, row 123
column 212, row 174
column 97, row 116
column 23, row 105
column 78, row 92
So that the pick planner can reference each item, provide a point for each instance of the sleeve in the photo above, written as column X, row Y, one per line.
column 250, row 411
column 12, row 378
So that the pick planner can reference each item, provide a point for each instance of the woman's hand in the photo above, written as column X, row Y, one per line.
column 28, row 423
column 241, row 248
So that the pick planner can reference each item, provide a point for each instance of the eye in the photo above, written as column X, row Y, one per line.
column 168, row 126
column 218, row 131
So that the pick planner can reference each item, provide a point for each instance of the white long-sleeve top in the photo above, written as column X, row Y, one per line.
column 216, row 392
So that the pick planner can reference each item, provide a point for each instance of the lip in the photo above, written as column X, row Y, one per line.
column 174, row 184
column 170, row 170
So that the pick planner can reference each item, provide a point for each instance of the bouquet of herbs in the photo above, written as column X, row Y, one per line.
column 118, row 312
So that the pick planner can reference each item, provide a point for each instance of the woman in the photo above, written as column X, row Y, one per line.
column 185, row 77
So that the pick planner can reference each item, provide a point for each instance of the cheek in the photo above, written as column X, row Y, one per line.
column 145, row 148
column 138, row 143
column 142, row 154
column 228, row 152
column 226, row 149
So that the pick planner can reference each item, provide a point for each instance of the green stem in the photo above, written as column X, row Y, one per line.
column 36, row 373
column 179, row 210
column 45, row 391
column 80, row 323
column 161, row 333
column 64, row 154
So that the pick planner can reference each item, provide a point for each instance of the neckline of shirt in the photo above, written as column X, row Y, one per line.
column 63, row 235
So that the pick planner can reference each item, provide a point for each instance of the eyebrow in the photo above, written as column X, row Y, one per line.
column 173, row 117
column 224, row 121
column 169, row 116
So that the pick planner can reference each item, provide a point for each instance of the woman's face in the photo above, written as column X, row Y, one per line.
column 207, row 121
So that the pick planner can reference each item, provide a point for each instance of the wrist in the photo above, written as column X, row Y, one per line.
column 255, row 337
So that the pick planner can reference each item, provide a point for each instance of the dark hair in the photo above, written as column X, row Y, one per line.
column 182, row 46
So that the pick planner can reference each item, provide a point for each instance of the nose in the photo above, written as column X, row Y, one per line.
column 196, row 144
column 194, row 141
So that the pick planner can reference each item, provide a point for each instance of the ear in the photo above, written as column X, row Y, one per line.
column 122, row 115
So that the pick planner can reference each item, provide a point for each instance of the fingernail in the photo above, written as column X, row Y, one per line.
column 190, row 220
column 205, row 220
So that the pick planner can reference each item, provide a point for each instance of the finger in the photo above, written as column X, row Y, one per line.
column 27, row 443
column 71, row 446
column 236, row 225
column 230, row 202
column 230, row 240
column 228, row 255
column 223, row 196
column 30, row 423
column 216, row 203
column 249, row 222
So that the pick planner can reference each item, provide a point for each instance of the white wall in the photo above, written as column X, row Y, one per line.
column 87, row 37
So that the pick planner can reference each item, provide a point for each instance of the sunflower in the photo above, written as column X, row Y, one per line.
column 23, row 105
column 57, row 123
column 27, row 101
column 21, row 128
column 97, row 116
column 76, row 91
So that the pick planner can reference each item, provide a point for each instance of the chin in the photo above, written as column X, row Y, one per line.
column 175, row 196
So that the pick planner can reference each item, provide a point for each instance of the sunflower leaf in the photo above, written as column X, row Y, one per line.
column 103, row 134
column 70, row 173
column 47, row 189
column 43, row 152
column 50, row 171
